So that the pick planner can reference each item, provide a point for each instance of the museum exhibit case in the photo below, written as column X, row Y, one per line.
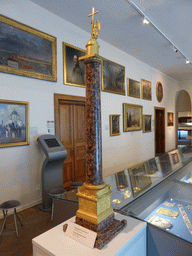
column 159, row 193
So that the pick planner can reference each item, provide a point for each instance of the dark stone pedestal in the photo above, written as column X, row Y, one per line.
column 106, row 230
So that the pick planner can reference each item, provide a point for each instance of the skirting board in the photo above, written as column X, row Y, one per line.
column 21, row 208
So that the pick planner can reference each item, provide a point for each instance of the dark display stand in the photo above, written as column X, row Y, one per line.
column 52, row 171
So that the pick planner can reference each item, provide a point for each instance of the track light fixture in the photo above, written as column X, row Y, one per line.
column 145, row 21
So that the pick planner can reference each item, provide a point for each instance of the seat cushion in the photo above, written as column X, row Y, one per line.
column 9, row 204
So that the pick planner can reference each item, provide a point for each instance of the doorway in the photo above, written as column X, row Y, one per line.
column 70, row 127
column 159, row 131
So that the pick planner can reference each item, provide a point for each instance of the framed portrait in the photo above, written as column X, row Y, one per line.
column 152, row 166
column 175, row 159
column 121, row 180
column 139, row 178
column 113, row 77
column 14, row 127
column 132, row 117
column 26, row 51
column 73, row 69
column 147, row 127
column 146, row 89
column 114, row 125
column 165, row 164
column 133, row 88
column 169, row 119
column 159, row 91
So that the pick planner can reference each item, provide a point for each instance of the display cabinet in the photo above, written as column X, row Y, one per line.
column 159, row 193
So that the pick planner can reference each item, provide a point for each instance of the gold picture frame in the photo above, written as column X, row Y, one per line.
column 32, row 53
column 132, row 117
column 146, row 89
column 159, row 91
column 133, row 88
column 114, row 125
column 73, row 69
column 113, row 77
column 169, row 118
column 139, row 178
column 147, row 123
column 14, row 128
column 121, row 180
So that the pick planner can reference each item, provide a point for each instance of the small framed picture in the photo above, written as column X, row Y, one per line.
column 121, row 180
column 159, row 91
column 114, row 125
column 133, row 88
column 139, row 178
column 14, row 127
column 169, row 119
column 132, row 117
column 146, row 89
column 74, row 70
column 113, row 77
column 147, row 123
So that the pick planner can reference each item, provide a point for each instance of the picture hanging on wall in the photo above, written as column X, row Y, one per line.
column 113, row 77
column 14, row 127
column 114, row 125
column 26, row 51
column 74, row 70
column 159, row 91
column 133, row 88
column 132, row 117
column 147, row 123
column 146, row 89
column 169, row 119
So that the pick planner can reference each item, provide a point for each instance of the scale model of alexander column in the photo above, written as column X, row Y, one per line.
column 95, row 212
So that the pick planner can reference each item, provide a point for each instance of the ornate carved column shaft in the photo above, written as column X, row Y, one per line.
column 93, row 113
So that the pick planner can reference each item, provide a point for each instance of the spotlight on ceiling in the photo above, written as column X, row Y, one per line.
column 145, row 21
column 187, row 61
column 175, row 49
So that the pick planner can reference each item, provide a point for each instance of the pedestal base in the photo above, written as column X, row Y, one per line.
column 106, row 230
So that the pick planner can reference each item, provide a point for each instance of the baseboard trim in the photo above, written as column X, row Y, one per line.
column 21, row 208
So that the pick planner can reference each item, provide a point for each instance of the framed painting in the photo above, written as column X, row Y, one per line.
column 152, row 166
column 165, row 164
column 113, row 77
column 121, row 180
column 14, row 127
column 133, row 88
column 132, row 117
column 175, row 159
column 147, row 127
column 26, row 51
column 146, row 89
column 159, row 91
column 114, row 125
column 169, row 119
column 139, row 178
column 73, row 69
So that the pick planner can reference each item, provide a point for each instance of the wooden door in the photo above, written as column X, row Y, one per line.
column 159, row 131
column 70, row 127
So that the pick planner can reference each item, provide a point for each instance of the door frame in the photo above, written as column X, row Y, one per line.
column 163, row 109
column 67, row 99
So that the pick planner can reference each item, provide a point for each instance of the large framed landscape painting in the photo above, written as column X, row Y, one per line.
column 132, row 117
column 113, row 77
column 14, row 127
column 74, row 70
column 26, row 51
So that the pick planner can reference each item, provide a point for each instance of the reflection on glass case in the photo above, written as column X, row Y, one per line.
column 121, row 179
column 139, row 178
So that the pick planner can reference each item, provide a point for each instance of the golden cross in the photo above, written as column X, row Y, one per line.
column 92, row 14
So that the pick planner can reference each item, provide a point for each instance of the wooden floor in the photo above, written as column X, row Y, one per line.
column 35, row 223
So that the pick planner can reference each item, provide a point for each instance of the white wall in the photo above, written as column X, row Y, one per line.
column 21, row 166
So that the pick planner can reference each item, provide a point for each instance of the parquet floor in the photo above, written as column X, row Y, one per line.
column 35, row 223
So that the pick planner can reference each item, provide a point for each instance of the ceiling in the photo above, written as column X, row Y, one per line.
column 121, row 26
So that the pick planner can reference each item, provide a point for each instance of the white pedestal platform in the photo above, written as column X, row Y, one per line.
column 131, row 242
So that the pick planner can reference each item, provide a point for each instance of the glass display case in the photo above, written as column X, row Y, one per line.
column 159, row 192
